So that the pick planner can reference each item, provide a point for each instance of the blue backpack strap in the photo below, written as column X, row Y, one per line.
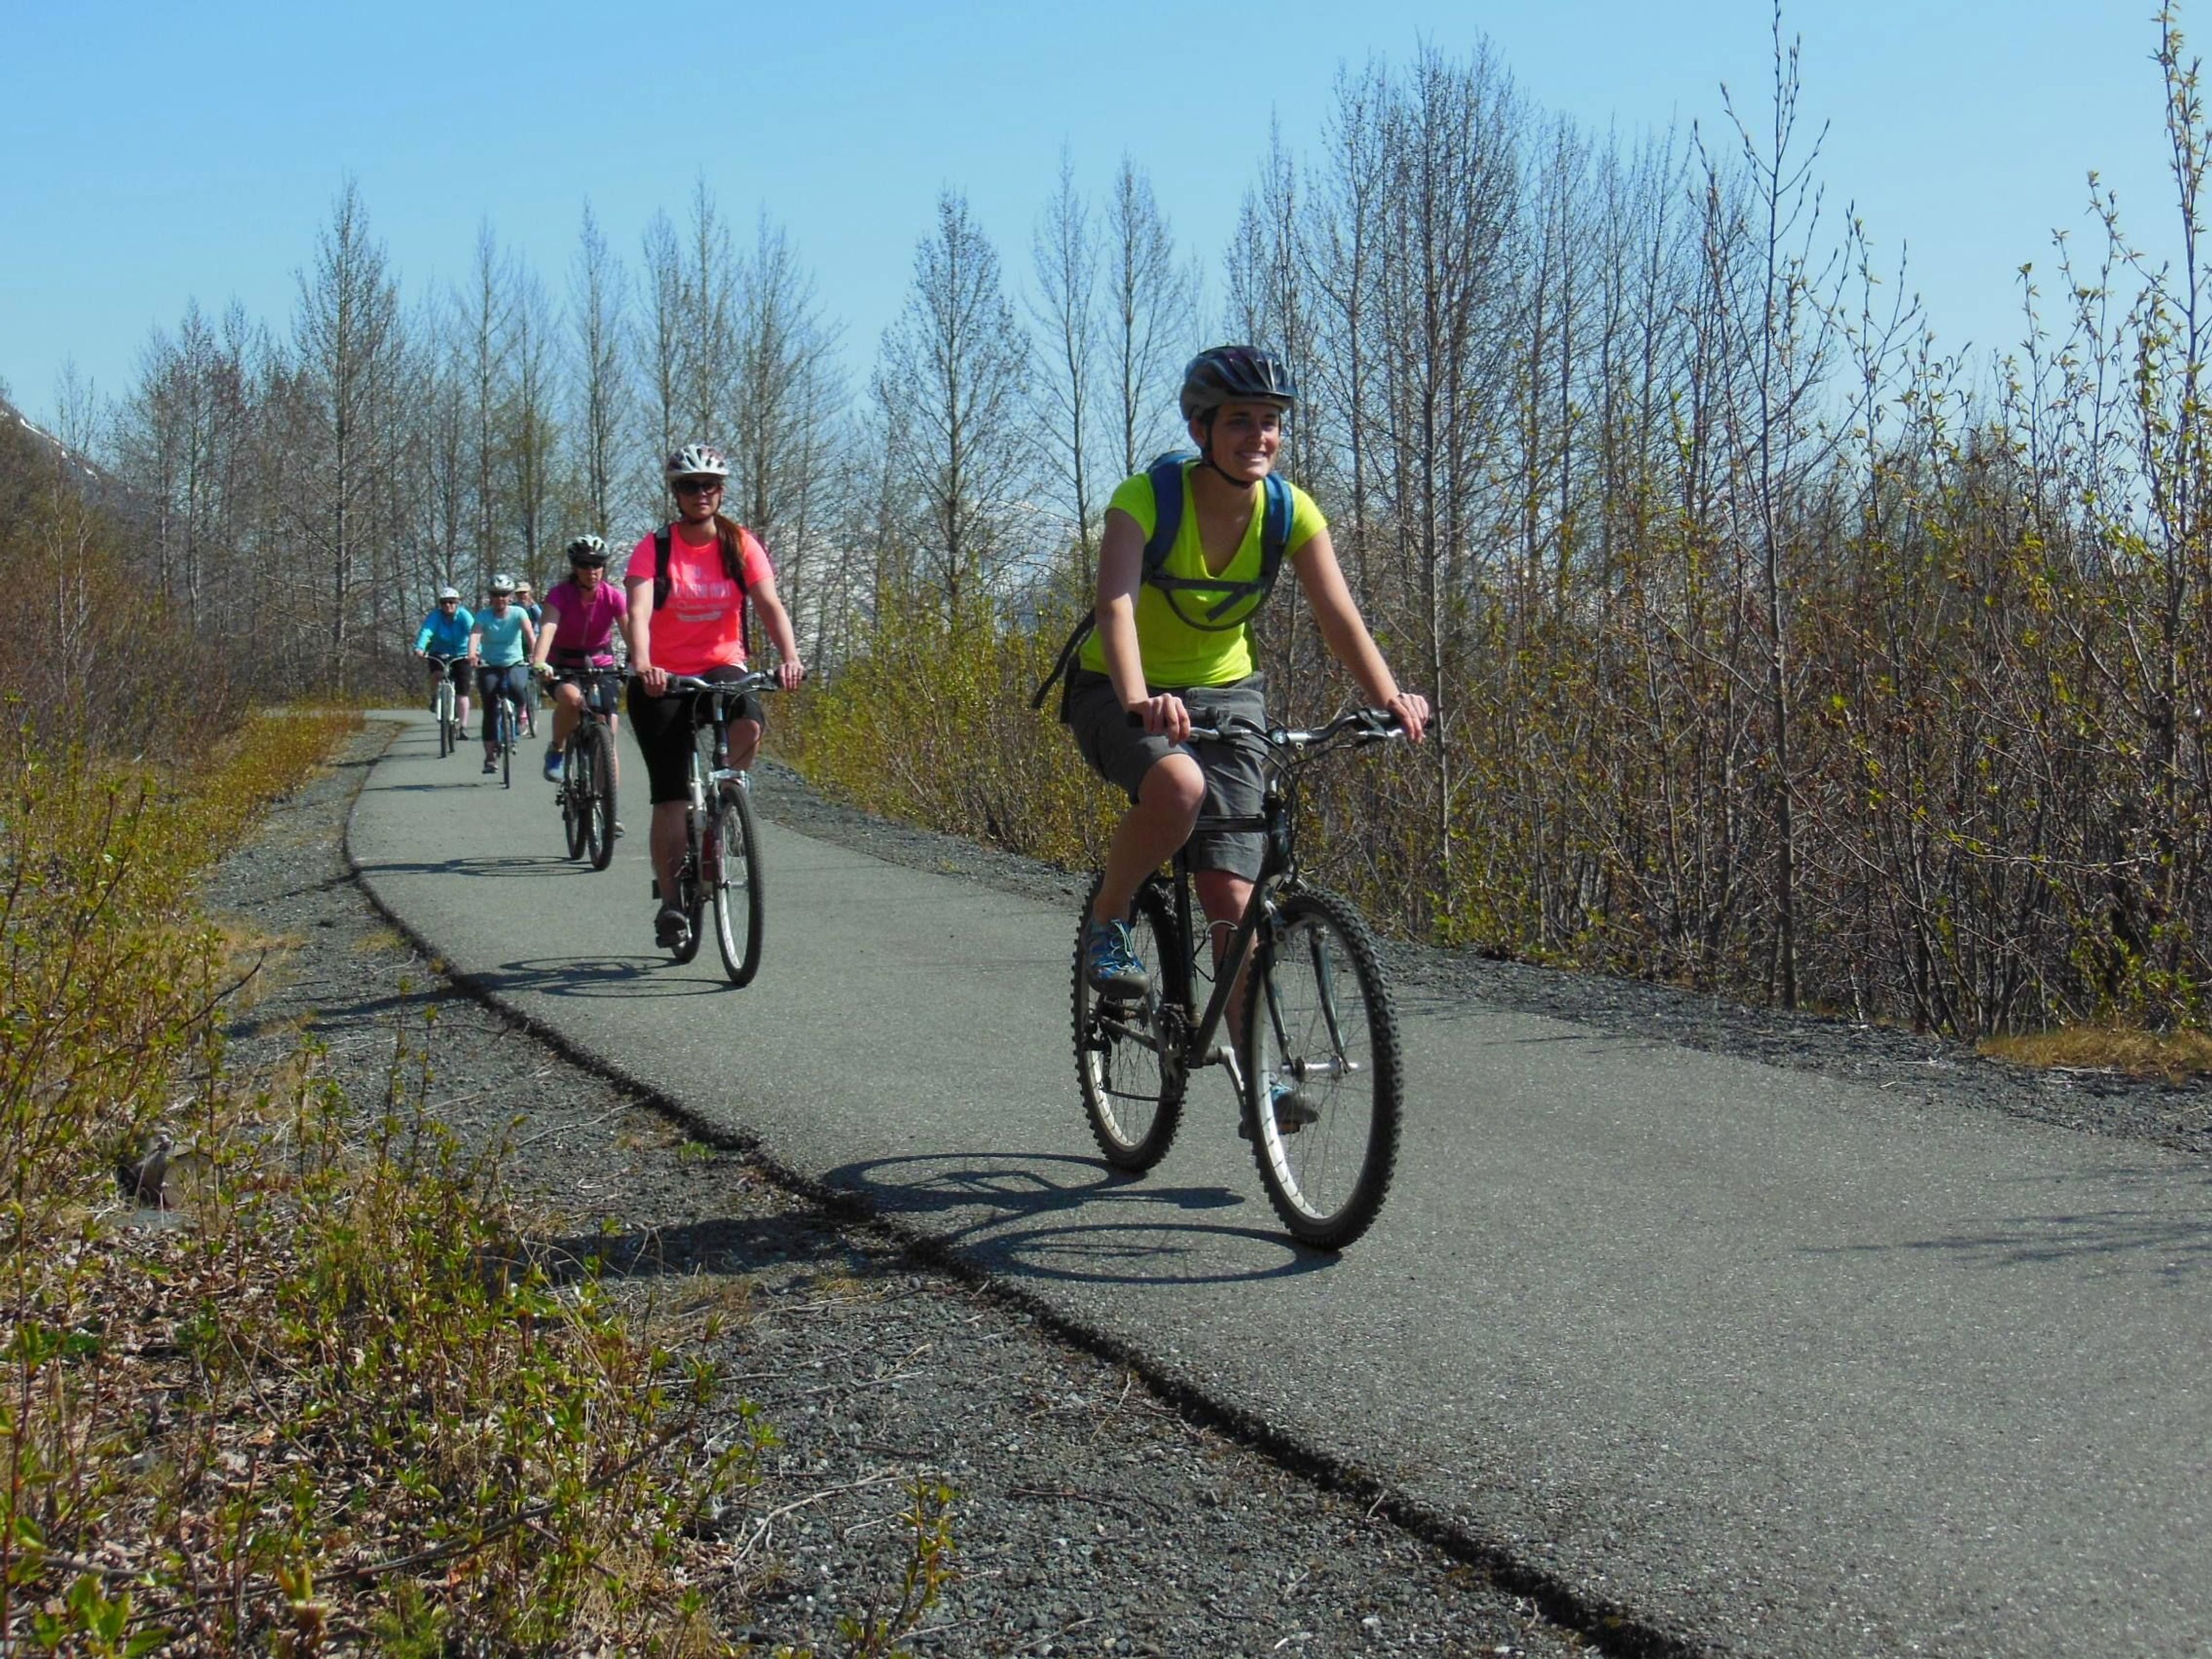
column 1166, row 474
column 1274, row 530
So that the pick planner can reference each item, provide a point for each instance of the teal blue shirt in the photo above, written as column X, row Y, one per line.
column 503, row 646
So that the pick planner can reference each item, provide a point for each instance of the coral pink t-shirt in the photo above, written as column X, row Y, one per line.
column 702, row 625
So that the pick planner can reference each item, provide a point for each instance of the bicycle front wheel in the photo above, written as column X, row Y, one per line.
column 600, row 793
column 506, row 743
column 1321, row 1078
column 1129, row 1055
column 444, row 718
column 736, row 886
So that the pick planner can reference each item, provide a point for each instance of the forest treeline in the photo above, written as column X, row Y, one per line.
column 1774, row 650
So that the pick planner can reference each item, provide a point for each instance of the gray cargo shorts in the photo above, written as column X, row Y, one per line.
column 1235, row 781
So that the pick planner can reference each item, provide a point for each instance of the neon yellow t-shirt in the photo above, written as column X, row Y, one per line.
column 1174, row 654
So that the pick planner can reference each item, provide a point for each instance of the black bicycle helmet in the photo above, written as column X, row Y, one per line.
column 1221, row 374
column 587, row 550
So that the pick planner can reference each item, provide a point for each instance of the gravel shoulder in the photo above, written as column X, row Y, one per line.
column 1092, row 1515
column 1934, row 1071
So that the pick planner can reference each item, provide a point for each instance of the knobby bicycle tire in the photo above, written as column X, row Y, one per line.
column 1129, row 1059
column 445, row 742
column 738, row 910
column 599, row 802
column 1320, row 1022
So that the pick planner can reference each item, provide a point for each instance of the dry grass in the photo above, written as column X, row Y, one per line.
column 2174, row 1055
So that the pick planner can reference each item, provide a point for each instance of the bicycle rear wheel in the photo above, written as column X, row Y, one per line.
column 576, row 794
column 691, row 880
column 1128, row 1058
column 598, row 803
column 1321, row 1078
column 737, row 884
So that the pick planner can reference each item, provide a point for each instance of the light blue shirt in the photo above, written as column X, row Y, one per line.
column 502, row 637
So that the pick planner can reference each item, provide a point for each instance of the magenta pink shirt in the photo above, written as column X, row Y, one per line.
column 702, row 625
column 585, row 627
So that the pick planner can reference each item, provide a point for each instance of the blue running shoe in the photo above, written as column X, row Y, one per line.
column 1110, row 963
column 552, row 764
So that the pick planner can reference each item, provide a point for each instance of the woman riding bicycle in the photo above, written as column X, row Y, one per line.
column 1172, row 660
column 447, row 630
column 498, row 646
column 576, row 637
column 696, row 627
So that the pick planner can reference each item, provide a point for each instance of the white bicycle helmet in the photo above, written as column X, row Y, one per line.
column 587, row 550
column 697, row 461
column 502, row 583
column 444, row 593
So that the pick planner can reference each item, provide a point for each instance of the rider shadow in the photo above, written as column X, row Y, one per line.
column 808, row 1240
column 602, row 976
column 1028, row 1224
column 507, row 864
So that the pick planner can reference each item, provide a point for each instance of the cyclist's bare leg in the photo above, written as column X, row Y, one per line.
column 670, row 842
column 1167, row 806
column 1223, row 894
column 460, row 710
column 744, row 742
column 567, row 709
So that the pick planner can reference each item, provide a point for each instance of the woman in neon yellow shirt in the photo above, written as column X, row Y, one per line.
column 1174, row 660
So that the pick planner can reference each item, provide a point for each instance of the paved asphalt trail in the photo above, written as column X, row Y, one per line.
column 1779, row 1365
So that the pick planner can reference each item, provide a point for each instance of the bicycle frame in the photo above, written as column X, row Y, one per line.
column 1276, row 823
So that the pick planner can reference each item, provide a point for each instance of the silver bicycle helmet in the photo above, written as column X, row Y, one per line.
column 502, row 583
column 697, row 461
column 1221, row 375
column 444, row 593
column 587, row 550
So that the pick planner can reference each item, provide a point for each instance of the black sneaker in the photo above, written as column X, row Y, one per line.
column 672, row 928
column 490, row 765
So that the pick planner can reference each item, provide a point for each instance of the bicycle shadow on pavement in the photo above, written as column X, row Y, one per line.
column 1016, row 1212
column 608, row 977
column 507, row 867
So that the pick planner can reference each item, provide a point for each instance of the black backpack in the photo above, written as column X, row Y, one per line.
column 1166, row 474
column 733, row 567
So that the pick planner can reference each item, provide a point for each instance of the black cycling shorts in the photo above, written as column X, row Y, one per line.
column 662, row 726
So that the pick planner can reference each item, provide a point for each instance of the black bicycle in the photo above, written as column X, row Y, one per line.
column 443, row 704
column 587, row 795
column 721, row 858
column 1316, row 1068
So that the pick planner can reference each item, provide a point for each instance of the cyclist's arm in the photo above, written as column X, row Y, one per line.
column 1347, row 635
column 777, row 620
column 637, row 627
column 1121, row 569
column 543, row 647
column 476, row 643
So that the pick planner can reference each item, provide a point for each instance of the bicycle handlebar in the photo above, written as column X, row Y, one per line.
column 1367, row 725
column 759, row 679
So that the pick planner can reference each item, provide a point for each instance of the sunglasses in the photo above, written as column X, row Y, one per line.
column 698, row 486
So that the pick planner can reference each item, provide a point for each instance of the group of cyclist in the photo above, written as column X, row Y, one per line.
column 1171, row 646
column 681, row 610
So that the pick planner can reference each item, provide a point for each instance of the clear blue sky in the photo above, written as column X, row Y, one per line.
column 151, row 155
